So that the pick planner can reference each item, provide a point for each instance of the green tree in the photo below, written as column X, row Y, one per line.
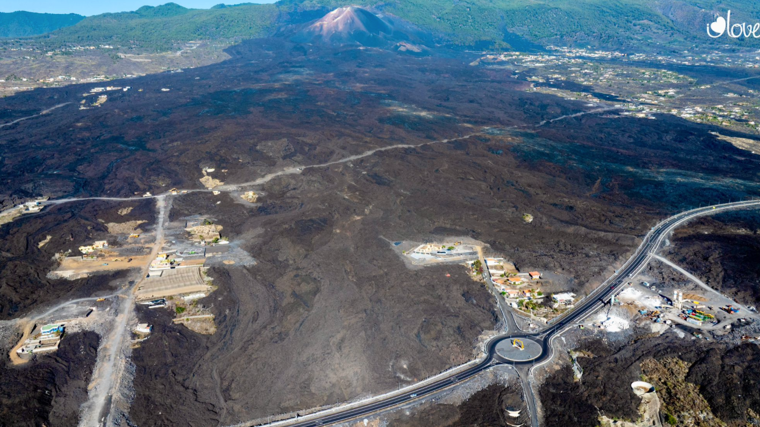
column 671, row 419
column 477, row 266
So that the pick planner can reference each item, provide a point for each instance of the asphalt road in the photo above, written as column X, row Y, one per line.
column 596, row 299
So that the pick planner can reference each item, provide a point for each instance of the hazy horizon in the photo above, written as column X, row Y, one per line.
column 89, row 8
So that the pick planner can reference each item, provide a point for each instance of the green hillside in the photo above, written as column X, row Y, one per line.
column 610, row 24
column 25, row 24
column 163, row 26
column 615, row 24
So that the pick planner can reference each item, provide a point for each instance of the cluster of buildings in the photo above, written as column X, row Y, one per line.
column 58, row 79
column 45, row 341
column 499, row 267
column 433, row 253
column 98, row 245
column 504, row 274
column 181, row 271
column 632, row 79
column 514, row 286
column 108, row 89
column 102, row 97
column 529, row 294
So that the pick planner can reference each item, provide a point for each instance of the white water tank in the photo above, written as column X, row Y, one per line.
column 641, row 388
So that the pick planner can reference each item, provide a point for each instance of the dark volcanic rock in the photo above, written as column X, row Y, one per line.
column 49, row 390
column 330, row 312
column 486, row 407
column 726, row 377
column 723, row 251
column 24, row 265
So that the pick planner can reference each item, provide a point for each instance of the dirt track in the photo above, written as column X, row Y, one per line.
column 108, row 376
column 74, row 266
column 29, row 324
column 15, row 359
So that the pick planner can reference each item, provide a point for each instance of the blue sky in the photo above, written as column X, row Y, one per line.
column 95, row 7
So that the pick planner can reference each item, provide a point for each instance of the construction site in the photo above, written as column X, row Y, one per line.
column 180, row 269
column 177, row 277
column 661, row 306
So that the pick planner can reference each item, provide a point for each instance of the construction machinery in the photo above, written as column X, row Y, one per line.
column 730, row 309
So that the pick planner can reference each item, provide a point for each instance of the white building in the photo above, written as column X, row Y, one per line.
column 566, row 298
column 499, row 266
column 144, row 328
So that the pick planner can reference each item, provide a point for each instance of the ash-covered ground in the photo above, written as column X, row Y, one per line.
column 49, row 390
column 724, row 252
column 486, row 407
column 29, row 245
column 330, row 313
column 698, row 382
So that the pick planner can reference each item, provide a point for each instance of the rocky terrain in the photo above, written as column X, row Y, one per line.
column 50, row 390
column 24, row 68
column 484, row 408
column 698, row 383
column 664, row 25
column 27, row 255
column 329, row 312
column 723, row 251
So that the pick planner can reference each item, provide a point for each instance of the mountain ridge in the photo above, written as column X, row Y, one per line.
column 26, row 24
column 631, row 25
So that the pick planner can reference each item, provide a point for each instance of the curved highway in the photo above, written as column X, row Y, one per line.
column 596, row 299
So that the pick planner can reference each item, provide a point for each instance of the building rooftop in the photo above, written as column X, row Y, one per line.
column 49, row 329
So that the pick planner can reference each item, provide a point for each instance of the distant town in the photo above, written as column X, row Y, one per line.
column 639, row 85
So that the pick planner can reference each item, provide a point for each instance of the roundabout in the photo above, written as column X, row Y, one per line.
column 518, row 350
